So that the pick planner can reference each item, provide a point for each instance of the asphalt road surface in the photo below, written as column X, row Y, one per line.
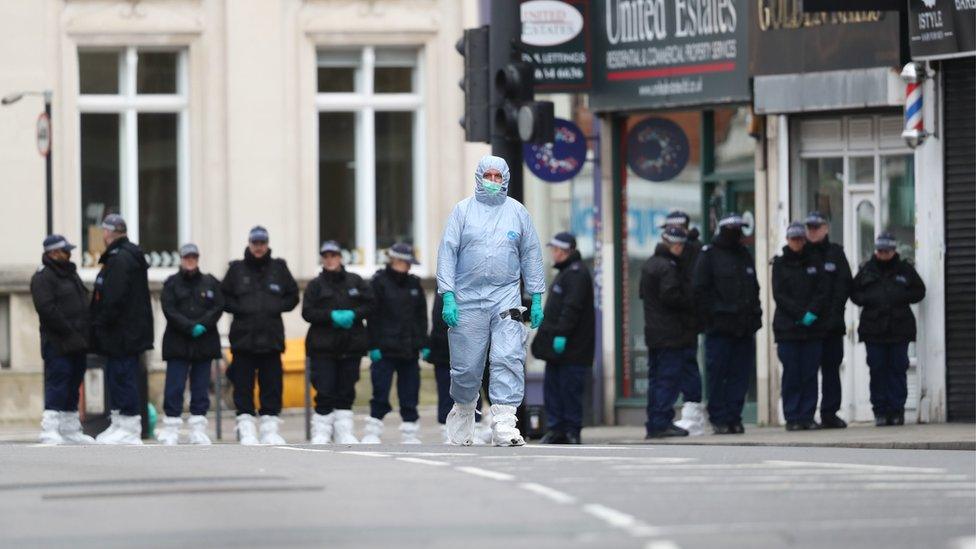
column 648, row 497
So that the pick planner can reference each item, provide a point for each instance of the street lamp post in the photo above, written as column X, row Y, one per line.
column 47, row 95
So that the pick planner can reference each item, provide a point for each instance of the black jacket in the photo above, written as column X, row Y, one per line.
column 727, row 290
column 670, row 321
column 326, row 293
column 398, row 326
column 440, row 351
column 122, row 317
column 800, row 285
column 689, row 257
column 838, row 271
column 61, row 301
column 568, row 313
column 190, row 298
column 885, row 289
column 257, row 292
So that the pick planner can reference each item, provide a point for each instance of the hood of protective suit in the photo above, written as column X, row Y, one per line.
column 489, row 162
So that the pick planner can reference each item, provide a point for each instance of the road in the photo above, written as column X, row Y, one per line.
column 648, row 497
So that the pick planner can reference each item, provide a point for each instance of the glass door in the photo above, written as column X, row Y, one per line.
column 859, row 244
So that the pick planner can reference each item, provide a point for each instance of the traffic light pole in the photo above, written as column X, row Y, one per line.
column 48, row 176
column 505, row 29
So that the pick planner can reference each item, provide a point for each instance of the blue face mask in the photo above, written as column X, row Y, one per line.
column 491, row 187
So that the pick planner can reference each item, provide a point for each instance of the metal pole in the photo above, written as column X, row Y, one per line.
column 219, row 389
column 47, row 163
column 308, row 401
column 504, row 30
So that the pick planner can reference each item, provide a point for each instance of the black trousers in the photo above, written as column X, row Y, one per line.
column 267, row 366
column 408, row 387
column 63, row 375
column 334, row 380
column 830, row 359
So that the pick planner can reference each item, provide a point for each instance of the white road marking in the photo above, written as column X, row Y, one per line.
column 547, row 492
column 620, row 520
column 825, row 525
column 662, row 544
column 304, row 449
column 421, row 461
column 577, row 447
column 963, row 543
column 430, row 454
column 367, row 454
column 477, row 471
column 866, row 467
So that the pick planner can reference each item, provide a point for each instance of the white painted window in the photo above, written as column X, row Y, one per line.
column 133, row 127
column 371, row 147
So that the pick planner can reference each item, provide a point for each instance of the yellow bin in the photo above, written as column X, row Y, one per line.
column 293, row 375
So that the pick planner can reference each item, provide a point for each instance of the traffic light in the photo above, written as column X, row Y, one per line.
column 476, row 122
column 517, row 116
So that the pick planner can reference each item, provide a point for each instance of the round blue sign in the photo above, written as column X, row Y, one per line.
column 657, row 149
column 560, row 160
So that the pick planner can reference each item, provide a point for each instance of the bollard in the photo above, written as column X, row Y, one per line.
column 308, row 401
column 219, row 389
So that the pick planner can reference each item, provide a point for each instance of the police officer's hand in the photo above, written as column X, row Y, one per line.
column 375, row 355
column 198, row 330
column 343, row 318
column 559, row 344
column 808, row 319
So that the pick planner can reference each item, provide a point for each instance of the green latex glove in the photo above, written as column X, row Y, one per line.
column 425, row 353
column 808, row 319
column 198, row 330
column 535, row 315
column 343, row 318
column 375, row 355
column 450, row 311
column 559, row 344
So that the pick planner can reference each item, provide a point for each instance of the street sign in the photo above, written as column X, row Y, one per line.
column 560, row 160
column 44, row 134
column 556, row 40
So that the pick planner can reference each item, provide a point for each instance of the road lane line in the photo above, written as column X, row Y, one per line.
column 662, row 544
column 866, row 467
column 366, row 454
column 621, row 520
column 421, row 461
column 477, row 471
column 547, row 492
column 303, row 449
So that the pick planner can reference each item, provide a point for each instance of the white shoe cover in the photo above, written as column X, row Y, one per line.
column 460, row 424
column 408, row 432
column 482, row 434
column 169, row 433
column 372, row 431
column 504, row 426
column 110, row 429
column 444, row 437
column 50, row 428
column 322, row 426
column 128, row 432
column 269, row 430
column 71, row 429
column 198, row 430
column 247, row 430
column 692, row 419
column 342, row 428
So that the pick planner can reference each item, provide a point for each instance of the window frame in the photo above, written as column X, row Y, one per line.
column 128, row 104
column 364, row 103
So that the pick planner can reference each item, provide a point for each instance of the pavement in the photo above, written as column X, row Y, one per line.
column 432, row 496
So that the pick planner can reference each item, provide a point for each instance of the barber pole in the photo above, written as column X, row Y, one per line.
column 914, row 132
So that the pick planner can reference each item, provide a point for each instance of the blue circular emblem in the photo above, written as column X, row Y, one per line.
column 512, row 235
column 560, row 160
column 657, row 149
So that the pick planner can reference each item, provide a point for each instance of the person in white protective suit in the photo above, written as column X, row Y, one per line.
column 489, row 246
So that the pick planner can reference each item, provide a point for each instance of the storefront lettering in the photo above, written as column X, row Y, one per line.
column 704, row 17
column 930, row 20
column 789, row 14
column 636, row 20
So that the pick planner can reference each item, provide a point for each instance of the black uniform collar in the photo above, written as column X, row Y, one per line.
column 113, row 248
column 728, row 240
column 60, row 268
column 790, row 255
column 822, row 245
column 397, row 276
column 574, row 256
column 255, row 261
column 190, row 276
column 662, row 250
column 885, row 266
column 333, row 276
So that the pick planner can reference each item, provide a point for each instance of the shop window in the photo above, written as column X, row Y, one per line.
column 133, row 120
column 370, row 147
column 734, row 149
column 822, row 189
column 898, row 201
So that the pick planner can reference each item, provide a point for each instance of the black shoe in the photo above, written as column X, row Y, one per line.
column 672, row 431
column 737, row 428
column 832, row 422
column 721, row 429
column 572, row 438
column 811, row 426
column 553, row 437
column 896, row 419
column 792, row 426
column 881, row 421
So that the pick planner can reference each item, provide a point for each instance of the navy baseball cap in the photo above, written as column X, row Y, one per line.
column 732, row 219
column 258, row 234
column 402, row 251
column 675, row 235
column 189, row 249
column 815, row 219
column 796, row 230
column 330, row 247
column 115, row 223
column 563, row 241
column 57, row 242
column 886, row 242
column 676, row 217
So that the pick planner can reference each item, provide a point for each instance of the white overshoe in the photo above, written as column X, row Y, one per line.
column 128, row 432
column 482, row 434
column 322, row 428
column 372, row 431
column 50, row 428
column 408, row 432
column 247, row 430
column 71, row 429
column 342, row 428
column 198, row 430
column 504, row 426
column 269, row 430
column 460, row 424
column 114, row 417
column 169, row 433
column 692, row 419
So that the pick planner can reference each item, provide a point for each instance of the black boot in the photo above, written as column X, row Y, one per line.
column 811, row 426
column 553, row 437
column 721, row 429
column 832, row 422
column 737, row 428
column 896, row 419
column 881, row 421
column 572, row 438
column 672, row 431
column 793, row 426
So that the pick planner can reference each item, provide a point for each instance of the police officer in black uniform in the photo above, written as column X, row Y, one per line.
column 397, row 334
column 801, row 291
column 727, row 298
column 193, row 303
column 670, row 330
column 566, row 341
column 838, row 271
column 336, row 305
column 61, row 301
column 885, row 287
column 122, row 321
column 257, row 291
